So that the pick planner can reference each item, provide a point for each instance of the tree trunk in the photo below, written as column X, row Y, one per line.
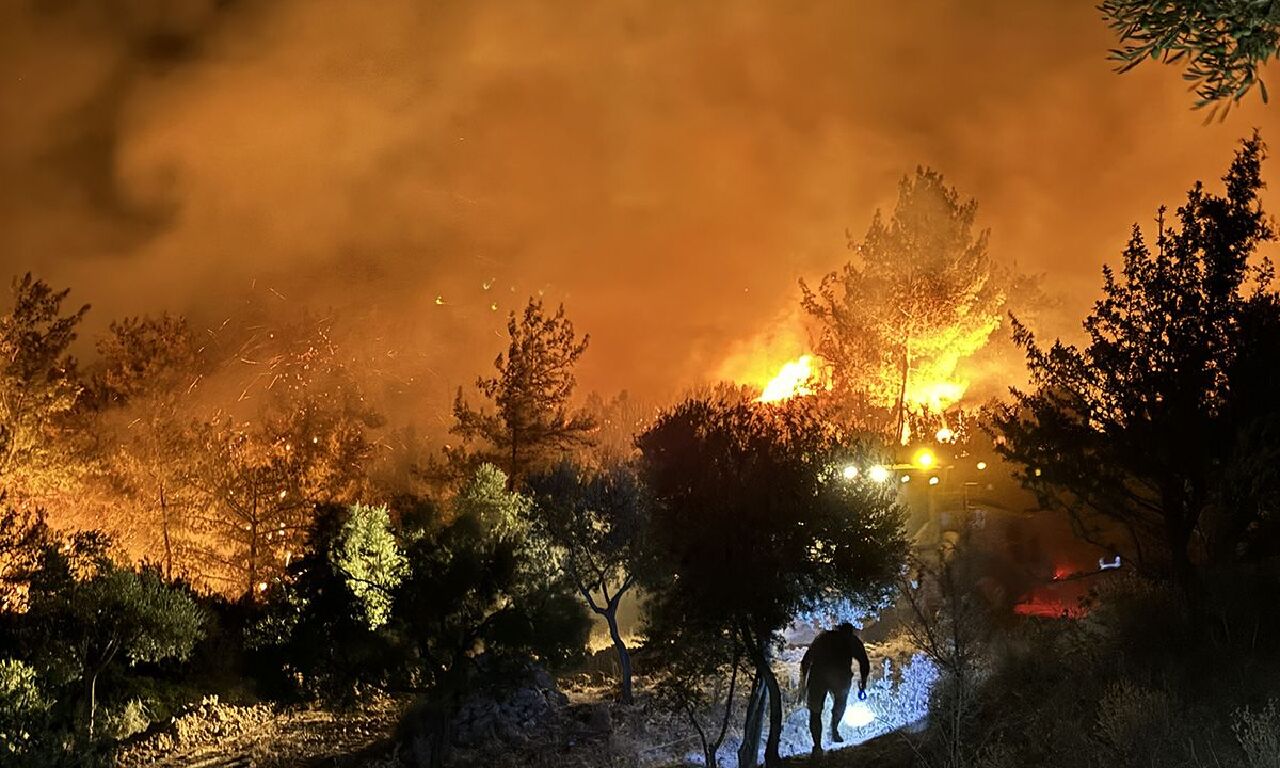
column 93, row 701
column 511, row 476
column 443, row 703
column 759, row 650
column 753, row 725
column 1178, row 538
column 438, row 718
column 164, row 529
column 624, row 656
column 708, row 749
column 772, row 758
column 1180, row 563
column 902, row 392
column 253, row 562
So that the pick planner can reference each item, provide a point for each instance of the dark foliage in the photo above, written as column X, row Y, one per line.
column 598, row 521
column 1139, row 432
column 753, row 522
column 530, row 424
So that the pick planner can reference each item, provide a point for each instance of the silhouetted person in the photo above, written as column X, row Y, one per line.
column 827, row 667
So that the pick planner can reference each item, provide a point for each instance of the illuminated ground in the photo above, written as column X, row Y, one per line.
column 898, row 698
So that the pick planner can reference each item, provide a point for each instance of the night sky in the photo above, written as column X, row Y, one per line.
column 667, row 170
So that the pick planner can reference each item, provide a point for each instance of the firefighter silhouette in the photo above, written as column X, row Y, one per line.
column 827, row 668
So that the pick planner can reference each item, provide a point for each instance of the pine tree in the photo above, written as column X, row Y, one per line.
column 921, row 295
column 150, row 369
column 1131, row 432
column 39, row 389
column 530, row 424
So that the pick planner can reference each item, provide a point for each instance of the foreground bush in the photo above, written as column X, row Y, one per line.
column 1142, row 680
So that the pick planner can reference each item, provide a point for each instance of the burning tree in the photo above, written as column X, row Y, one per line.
column 921, row 296
column 23, row 533
column 531, row 423
column 256, row 508
column 39, row 389
column 1134, row 430
column 149, row 371
column 754, row 521
column 262, row 478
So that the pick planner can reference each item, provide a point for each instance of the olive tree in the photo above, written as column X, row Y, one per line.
column 754, row 521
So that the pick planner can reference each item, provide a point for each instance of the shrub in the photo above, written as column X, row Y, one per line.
column 1134, row 722
column 1259, row 735
column 132, row 718
column 23, row 710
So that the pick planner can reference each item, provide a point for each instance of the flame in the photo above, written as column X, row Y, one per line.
column 801, row 377
column 794, row 379
column 937, row 395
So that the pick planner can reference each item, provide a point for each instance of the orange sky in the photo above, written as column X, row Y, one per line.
column 666, row 169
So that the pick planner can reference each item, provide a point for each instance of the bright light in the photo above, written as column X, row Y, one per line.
column 878, row 474
column 945, row 435
column 924, row 458
column 905, row 478
column 850, row 472
column 982, row 465
column 858, row 714
column 933, row 480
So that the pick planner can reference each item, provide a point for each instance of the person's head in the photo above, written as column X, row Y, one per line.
column 845, row 629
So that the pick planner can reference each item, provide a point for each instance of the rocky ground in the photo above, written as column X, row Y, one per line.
column 217, row 734
column 571, row 723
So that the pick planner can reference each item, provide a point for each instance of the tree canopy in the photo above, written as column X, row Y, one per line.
column 148, row 371
column 531, row 422
column 86, row 613
column 1133, row 432
column 368, row 556
column 754, row 521
column 598, row 520
column 39, row 388
column 482, row 581
column 920, row 296
column 1221, row 44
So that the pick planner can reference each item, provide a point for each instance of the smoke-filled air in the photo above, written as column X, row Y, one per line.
column 645, row 383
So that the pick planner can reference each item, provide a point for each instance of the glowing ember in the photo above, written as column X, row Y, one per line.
column 794, row 379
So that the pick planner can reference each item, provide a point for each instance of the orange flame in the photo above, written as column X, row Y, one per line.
column 794, row 379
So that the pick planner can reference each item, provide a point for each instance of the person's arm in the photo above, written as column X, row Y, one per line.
column 864, row 666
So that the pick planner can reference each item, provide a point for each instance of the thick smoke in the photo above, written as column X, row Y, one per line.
column 666, row 169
